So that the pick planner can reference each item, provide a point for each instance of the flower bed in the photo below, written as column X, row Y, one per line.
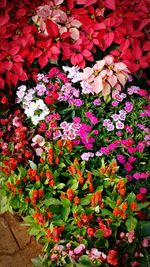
column 75, row 138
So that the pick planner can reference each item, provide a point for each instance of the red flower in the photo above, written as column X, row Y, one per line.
column 77, row 53
column 48, row 51
column 139, row 61
column 125, row 35
column 106, row 33
column 112, row 257
column 90, row 231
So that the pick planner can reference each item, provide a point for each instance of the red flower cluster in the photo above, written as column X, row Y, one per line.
column 97, row 25
column 14, row 138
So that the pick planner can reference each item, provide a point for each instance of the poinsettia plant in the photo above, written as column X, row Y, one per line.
column 34, row 33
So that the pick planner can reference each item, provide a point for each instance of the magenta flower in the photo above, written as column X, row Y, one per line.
column 119, row 133
column 128, row 106
column 128, row 166
column 143, row 190
column 131, row 159
column 114, row 103
column 121, row 158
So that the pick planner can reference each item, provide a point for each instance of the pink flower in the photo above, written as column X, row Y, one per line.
column 130, row 236
column 79, row 249
column 114, row 103
column 145, row 243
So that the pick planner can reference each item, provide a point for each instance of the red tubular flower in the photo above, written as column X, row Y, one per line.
column 70, row 193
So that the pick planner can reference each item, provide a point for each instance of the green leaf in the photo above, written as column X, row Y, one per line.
column 85, row 186
column 85, row 261
column 98, row 233
column 28, row 219
column 142, row 206
column 37, row 262
column 145, row 228
column 102, row 243
column 65, row 213
column 35, row 230
column 105, row 212
column 62, row 165
column 131, row 198
column 32, row 165
column 85, row 201
column 65, row 202
column 96, row 172
column 52, row 201
column 131, row 224
column 59, row 186
column 75, row 185
column 110, row 202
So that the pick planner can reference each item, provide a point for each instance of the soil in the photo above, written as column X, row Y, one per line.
column 17, row 248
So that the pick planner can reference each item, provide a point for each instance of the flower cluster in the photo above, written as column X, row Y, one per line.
column 82, row 209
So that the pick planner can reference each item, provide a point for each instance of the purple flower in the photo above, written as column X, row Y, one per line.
column 86, row 87
column 41, row 89
column 95, row 132
column 122, row 117
column 88, row 114
column 56, row 134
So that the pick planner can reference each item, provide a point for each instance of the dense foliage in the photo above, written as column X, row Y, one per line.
column 75, row 130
